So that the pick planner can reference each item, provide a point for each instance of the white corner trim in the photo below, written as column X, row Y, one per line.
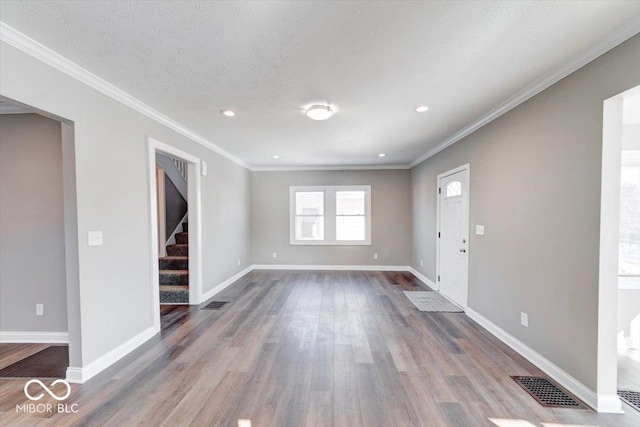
column 613, row 39
column 327, row 168
column 34, row 337
column 85, row 373
column 210, row 293
column 609, row 404
column 74, row 375
column 603, row 404
column 35, row 49
column 423, row 278
column 331, row 267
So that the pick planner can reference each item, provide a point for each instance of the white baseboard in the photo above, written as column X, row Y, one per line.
column 602, row 403
column 423, row 278
column 34, row 337
column 210, row 293
column 331, row 267
column 83, row 374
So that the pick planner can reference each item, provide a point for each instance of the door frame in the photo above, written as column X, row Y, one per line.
column 608, row 287
column 194, row 203
column 465, row 195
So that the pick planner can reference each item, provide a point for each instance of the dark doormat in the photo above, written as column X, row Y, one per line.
column 632, row 398
column 52, row 362
column 215, row 305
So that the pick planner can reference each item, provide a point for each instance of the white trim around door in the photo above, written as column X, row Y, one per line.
column 194, row 192
column 440, row 192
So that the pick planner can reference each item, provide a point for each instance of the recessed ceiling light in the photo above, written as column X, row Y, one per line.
column 275, row 156
column 227, row 113
column 422, row 109
column 382, row 155
column 319, row 112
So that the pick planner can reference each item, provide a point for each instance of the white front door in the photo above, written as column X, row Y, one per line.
column 453, row 247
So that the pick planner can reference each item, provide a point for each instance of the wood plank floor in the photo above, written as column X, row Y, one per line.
column 628, row 370
column 296, row 348
column 11, row 353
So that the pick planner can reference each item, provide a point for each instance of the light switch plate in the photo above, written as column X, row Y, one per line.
column 480, row 230
column 39, row 309
column 203, row 168
column 95, row 238
column 524, row 319
column 375, row 256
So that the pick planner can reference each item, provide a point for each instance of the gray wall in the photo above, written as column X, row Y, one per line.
column 111, row 157
column 175, row 206
column 535, row 185
column 390, row 225
column 32, row 245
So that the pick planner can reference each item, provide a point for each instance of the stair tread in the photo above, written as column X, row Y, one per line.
column 174, row 288
column 176, row 257
column 180, row 244
column 175, row 272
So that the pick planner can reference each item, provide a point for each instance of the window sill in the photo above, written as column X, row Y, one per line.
column 319, row 243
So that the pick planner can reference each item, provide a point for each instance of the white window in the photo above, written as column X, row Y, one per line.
column 454, row 189
column 330, row 215
column 629, row 252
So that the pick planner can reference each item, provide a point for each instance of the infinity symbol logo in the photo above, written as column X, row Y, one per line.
column 47, row 389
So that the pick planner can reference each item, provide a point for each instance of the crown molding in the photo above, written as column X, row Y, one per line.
column 35, row 49
column 620, row 35
column 327, row 168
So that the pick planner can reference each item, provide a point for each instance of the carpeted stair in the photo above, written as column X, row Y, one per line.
column 174, row 270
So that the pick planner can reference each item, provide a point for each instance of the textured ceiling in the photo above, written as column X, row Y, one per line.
column 266, row 60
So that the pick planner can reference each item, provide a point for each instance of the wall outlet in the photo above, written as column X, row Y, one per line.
column 275, row 255
column 375, row 256
column 480, row 230
column 238, row 261
column 39, row 309
column 524, row 319
column 421, row 263
column 95, row 238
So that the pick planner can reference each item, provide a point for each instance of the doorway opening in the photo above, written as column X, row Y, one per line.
column 39, row 286
column 619, row 284
column 173, row 228
column 452, row 247
column 174, row 197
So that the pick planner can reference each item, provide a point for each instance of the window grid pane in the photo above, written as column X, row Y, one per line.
column 454, row 189
column 309, row 228
column 310, row 203
column 350, row 202
column 350, row 227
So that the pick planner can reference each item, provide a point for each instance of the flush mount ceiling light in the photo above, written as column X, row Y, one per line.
column 227, row 113
column 422, row 108
column 275, row 156
column 382, row 155
column 319, row 112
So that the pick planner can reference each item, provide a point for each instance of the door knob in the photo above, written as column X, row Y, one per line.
column 463, row 250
